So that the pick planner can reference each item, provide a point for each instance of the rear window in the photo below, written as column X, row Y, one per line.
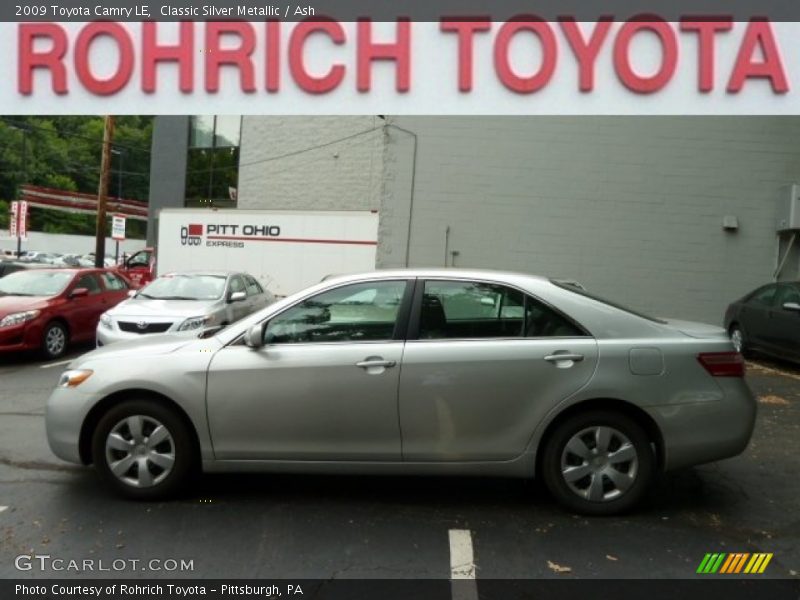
column 582, row 292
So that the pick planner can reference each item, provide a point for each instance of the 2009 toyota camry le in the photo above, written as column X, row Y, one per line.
column 416, row 372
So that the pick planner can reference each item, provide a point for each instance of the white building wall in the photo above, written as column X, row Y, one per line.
column 66, row 244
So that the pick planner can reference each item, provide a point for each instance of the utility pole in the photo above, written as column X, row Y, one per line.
column 102, row 193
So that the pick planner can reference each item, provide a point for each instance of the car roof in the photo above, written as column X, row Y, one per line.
column 451, row 273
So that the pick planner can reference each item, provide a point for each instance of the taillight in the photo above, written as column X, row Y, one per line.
column 722, row 364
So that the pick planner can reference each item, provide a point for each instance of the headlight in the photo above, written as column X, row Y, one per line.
column 74, row 377
column 19, row 318
column 195, row 323
column 105, row 320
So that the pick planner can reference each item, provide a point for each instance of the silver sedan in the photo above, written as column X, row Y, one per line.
column 178, row 302
column 416, row 372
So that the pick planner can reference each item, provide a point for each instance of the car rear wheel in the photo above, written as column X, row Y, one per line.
column 598, row 463
column 54, row 340
column 143, row 450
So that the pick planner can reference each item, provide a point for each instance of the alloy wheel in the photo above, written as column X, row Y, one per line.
column 737, row 337
column 55, row 341
column 140, row 451
column 599, row 464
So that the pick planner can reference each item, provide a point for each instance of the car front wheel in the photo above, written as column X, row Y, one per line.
column 598, row 463
column 143, row 450
column 54, row 340
column 738, row 339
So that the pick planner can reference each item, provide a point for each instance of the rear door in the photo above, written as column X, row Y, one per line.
column 483, row 364
column 115, row 288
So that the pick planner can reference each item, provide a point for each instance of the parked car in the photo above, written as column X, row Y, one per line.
column 183, row 302
column 767, row 320
column 12, row 266
column 139, row 267
column 416, row 372
column 46, row 309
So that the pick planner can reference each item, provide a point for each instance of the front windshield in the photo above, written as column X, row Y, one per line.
column 35, row 283
column 185, row 287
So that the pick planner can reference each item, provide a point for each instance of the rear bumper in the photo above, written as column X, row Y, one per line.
column 706, row 431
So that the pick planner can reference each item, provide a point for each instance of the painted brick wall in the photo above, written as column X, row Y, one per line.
column 630, row 207
column 311, row 163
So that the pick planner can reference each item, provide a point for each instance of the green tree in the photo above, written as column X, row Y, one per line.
column 64, row 152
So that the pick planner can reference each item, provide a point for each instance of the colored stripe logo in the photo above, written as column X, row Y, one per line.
column 734, row 562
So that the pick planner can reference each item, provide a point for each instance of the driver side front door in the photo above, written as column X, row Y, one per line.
column 323, row 387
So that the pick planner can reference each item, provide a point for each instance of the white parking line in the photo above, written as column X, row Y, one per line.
column 2, row 508
column 462, row 566
column 55, row 364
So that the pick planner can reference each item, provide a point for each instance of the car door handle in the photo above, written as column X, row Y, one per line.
column 376, row 362
column 565, row 356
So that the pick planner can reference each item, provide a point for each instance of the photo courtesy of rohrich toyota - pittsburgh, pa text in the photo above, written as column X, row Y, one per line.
column 399, row 300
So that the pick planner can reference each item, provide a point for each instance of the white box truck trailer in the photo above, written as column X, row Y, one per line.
column 286, row 250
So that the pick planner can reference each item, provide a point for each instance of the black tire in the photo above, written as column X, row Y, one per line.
column 643, row 471
column 181, row 446
column 53, row 331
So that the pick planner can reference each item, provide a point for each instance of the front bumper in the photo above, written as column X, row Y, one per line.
column 707, row 431
column 17, row 338
column 65, row 413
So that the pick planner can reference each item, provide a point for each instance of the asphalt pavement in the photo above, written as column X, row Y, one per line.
column 324, row 527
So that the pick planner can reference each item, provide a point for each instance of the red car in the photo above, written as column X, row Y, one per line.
column 46, row 309
column 139, row 268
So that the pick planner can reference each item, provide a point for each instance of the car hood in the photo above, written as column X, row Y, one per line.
column 697, row 330
column 145, row 307
column 148, row 345
column 14, row 304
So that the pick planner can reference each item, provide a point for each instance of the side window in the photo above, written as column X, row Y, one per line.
column 362, row 312
column 474, row 310
column 467, row 309
column 787, row 293
column 253, row 287
column 764, row 297
column 140, row 259
column 90, row 283
column 112, row 282
column 237, row 285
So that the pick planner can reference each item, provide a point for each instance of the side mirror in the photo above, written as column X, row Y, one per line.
column 254, row 337
column 236, row 297
column 79, row 293
column 793, row 306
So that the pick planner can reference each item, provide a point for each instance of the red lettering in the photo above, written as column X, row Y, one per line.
column 502, row 60
column 273, row 66
column 119, row 79
column 646, row 84
column 28, row 60
column 399, row 51
column 759, row 35
column 706, row 30
column 239, row 56
column 315, row 84
column 466, row 31
column 586, row 51
column 181, row 53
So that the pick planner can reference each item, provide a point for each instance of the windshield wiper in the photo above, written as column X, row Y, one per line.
column 169, row 297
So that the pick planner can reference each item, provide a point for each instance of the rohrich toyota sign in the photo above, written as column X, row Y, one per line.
column 643, row 64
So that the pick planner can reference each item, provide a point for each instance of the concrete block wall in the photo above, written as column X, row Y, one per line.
column 311, row 163
column 630, row 207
